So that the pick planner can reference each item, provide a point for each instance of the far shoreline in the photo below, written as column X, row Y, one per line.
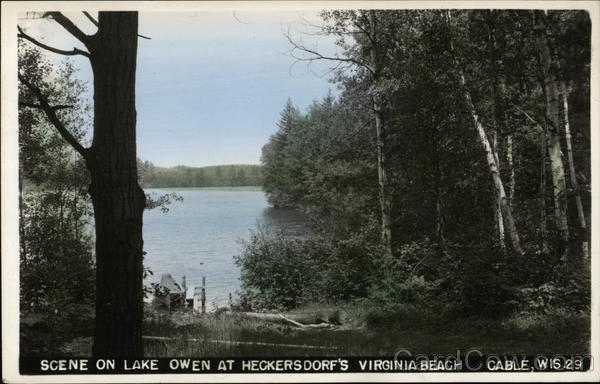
column 249, row 188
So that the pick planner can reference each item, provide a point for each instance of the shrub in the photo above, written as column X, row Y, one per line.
column 280, row 271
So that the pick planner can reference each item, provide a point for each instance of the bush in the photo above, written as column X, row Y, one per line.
column 571, row 294
column 280, row 271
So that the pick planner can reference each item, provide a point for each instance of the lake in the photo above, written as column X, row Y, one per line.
column 200, row 235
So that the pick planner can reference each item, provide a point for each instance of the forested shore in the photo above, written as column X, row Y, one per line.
column 449, row 177
column 236, row 175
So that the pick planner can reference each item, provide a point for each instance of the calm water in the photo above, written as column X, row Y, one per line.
column 201, row 235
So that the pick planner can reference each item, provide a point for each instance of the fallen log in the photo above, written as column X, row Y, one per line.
column 298, row 324
column 300, row 321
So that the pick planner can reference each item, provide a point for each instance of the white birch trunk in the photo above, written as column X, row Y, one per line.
column 511, row 167
column 384, row 192
column 497, row 203
column 552, row 136
column 509, row 222
column 574, row 183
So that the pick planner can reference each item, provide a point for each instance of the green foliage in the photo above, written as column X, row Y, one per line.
column 446, row 243
column 56, row 216
column 57, row 280
column 571, row 294
column 279, row 271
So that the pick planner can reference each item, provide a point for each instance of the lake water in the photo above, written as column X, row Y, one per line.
column 200, row 235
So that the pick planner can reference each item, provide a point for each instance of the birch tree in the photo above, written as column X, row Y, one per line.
column 574, row 183
column 490, row 155
column 552, row 122
column 364, row 26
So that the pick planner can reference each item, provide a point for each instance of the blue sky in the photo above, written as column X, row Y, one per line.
column 210, row 85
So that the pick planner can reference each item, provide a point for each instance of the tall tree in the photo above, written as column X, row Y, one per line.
column 574, row 183
column 368, row 29
column 490, row 154
column 551, row 98
column 117, row 198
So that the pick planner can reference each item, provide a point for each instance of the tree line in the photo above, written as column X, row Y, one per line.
column 238, row 175
column 455, row 160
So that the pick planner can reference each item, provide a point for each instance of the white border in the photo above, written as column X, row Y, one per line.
column 9, row 182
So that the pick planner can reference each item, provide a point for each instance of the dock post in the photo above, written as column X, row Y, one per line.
column 203, row 297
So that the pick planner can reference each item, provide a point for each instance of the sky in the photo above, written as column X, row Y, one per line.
column 210, row 85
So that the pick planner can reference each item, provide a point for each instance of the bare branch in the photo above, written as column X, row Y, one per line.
column 30, row 105
column 75, row 51
column 51, row 114
column 69, row 26
column 318, row 56
column 39, row 106
column 90, row 18
column 95, row 22
column 528, row 116
column 238, row 19
column 61, row 106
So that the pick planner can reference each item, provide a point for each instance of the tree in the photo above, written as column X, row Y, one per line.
column 117, row 198
column 274, row 157
column 491, row 156
column 369, row 55
column 56, row 260
column 552, row 131
column 574, row 182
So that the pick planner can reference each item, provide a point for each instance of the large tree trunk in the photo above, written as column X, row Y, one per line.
column 385, row 197
column 116, row 196
column 574, row 183
column 549, row 87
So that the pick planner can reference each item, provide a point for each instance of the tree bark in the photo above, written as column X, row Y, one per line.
column 385, row 198
column 493, row 168
column 511, row 169
column 549, row 87
column 543, row 226
column 499, row 122
column 574, row 183
column 117, row 199
column 497, row 199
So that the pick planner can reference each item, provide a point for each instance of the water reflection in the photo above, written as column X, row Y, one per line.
column 291, row 221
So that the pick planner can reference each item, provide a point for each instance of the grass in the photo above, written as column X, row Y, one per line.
column 362, row 333
column 554, row 332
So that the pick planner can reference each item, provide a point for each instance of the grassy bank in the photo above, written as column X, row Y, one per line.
column 361, row 333
column 221, row 334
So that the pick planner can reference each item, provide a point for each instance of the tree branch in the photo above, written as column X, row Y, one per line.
column 30, row 105
column 69, row 26
column 95, row 22
column 317, row 56
column 90, row 18
column 51, row 114
column 75, row 51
